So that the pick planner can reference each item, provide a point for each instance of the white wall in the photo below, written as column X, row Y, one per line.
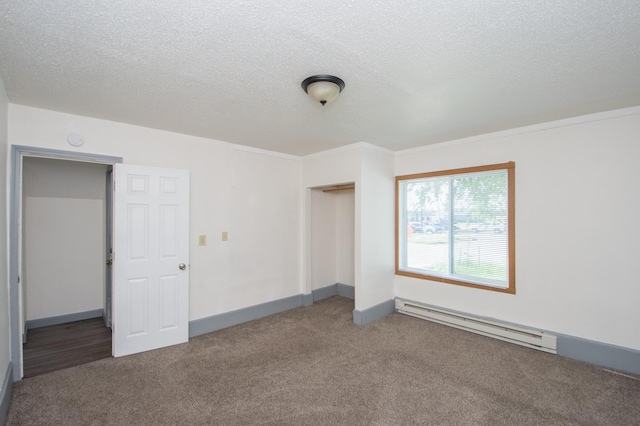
column 264, row 251
column 345, row 236
column 376, row 232
column 5, row 329
column 63, row 229
column 255, row 196
column 324, row 268
column 577, row 229
column 333, row 167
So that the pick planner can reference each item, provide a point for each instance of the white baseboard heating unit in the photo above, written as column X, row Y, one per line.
column 520, row 336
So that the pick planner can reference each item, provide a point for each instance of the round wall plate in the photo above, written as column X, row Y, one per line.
column 75, row 139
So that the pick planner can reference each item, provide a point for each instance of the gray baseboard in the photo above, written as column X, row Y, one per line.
column 325, row 292
column 239, row 316
column 307, row 300
column 63, row 319
column 337, row 289
column 5, row 394
column 374, row 313
column 604, row 354
column 347, row 291
column 591, row 351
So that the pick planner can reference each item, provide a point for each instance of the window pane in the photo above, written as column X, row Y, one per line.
column 454, row 227
column 480, row 215
column 428, row 223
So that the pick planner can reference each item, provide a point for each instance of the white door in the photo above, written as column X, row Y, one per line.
column 150, row 258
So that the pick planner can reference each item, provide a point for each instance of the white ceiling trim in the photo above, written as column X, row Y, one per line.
column 346, row 148
column 606, row 115
column 235, row 147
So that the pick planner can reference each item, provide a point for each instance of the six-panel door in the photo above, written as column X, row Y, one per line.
column 150, row 259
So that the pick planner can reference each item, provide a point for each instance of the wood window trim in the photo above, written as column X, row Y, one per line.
column 511, row 226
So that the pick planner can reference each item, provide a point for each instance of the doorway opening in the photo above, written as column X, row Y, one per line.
column 57, row 256
column 64, row 236
column 331, row 248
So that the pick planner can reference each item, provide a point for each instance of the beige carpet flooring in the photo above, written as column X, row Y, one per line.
column 313, row 366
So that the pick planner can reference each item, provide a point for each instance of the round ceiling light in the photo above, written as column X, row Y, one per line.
column 323, row 88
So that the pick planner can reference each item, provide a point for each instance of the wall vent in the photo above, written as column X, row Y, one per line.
column 508, row 333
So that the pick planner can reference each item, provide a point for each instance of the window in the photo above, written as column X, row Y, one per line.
column 458, row 226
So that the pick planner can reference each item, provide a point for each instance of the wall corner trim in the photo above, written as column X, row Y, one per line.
column 5, row 393
column 374, row 313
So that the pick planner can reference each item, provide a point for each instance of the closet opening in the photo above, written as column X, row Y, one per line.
column 65, row 291
column 332, row 240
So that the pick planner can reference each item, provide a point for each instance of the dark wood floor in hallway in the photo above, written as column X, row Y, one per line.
column 62, row 346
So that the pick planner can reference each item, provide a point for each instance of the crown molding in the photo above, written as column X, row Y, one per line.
column 589, row 118
column 346, row 148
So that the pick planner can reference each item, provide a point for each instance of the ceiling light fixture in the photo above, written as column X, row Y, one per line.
column 323, row 88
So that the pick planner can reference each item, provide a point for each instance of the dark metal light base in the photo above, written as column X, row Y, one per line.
column 322, row 77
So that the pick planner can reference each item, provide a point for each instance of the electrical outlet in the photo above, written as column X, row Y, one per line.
column 202, row 240
column 225, row 236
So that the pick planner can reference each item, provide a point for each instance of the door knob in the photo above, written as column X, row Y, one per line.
column 182, row 266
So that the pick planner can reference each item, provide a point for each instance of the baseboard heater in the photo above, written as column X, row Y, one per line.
column 520, row 336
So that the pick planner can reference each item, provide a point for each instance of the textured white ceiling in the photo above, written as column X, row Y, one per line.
column 416, row 72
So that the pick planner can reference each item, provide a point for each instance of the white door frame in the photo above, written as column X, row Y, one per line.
column 108, row 252
column 15, row 234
